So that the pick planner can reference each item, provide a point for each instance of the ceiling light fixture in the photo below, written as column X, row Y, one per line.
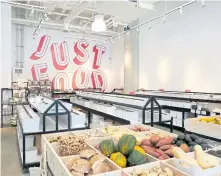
column 181, row 10
column 163, row 18
column 98, row 25
column 31, row 14
column 128, row 32
column 203, row 3
column 46, row 17
column 137, row 29
column 66, row 27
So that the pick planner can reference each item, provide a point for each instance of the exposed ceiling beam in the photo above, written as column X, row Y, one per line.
column 59, row 26
column 26, row 11
column 83, row 18
column 30, row 7
column 75, row 11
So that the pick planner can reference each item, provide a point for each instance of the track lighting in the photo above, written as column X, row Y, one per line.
column 150, row 27
column 46, row 17
column 31, row 14
column 181, row 10
column 203, row 3
column 127, row 29
column 163, row 18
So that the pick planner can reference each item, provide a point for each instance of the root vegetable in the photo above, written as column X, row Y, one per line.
column 166, row 147
column 166, row 141
column 159, row 151
column 154, row 139
column 163, row 157
column 146, row 142
column 150, row 151
column 169, row 152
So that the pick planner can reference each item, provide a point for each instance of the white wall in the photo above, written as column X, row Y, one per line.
column 6, row 64
column 110, row 65
column 117, row 62
column 184, row 52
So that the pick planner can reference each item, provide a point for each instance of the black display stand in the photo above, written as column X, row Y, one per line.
column 150, row 101
column 56, row 103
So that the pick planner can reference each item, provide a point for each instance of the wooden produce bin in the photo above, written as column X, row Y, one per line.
column 194, row 170
column 129, row 171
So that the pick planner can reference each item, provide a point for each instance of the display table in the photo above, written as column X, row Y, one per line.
column 208, row 130
column 51, row 116
column 55, row 157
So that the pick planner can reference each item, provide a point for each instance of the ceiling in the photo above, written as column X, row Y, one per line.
column 80, row 14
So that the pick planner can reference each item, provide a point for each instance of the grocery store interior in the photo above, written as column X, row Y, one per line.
column 110, row 88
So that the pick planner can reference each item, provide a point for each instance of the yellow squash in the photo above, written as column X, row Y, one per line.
column 119, row 159
column 139, row 149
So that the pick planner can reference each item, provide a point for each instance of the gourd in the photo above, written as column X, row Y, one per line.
column 139, row 149
column 126, row 144
column 180, row 154
column 205, row 160
column 136, row 158
column 119, row 159
column 107, row 147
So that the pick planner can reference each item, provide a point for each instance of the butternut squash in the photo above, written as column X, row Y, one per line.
column 180, row 154
column 205, row 160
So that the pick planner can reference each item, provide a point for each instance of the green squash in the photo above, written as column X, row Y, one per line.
column 107, row 147
column 136, row 158
column 126, row 144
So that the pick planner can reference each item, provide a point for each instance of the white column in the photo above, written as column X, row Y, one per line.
column 6, row 45
column 131, row 60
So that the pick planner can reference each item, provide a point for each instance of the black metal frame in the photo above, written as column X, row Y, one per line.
column 150, row 101
column 2, row 104
column 53, row 93
column 10, row 104
column 119, row 89
column 56, row 103
column 178, row 109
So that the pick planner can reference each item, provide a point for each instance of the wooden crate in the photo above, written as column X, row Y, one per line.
column 160, row 164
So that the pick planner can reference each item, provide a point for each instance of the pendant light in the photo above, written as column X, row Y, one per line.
column 98, row 25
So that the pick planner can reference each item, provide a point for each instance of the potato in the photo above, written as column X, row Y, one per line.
column 169, row 152
column 163, row 157
column 165, row 141
column 155, row 139
column 159, row 151
column 166, row 147
column 185, row 148
column 150, row 151
column 146, row 142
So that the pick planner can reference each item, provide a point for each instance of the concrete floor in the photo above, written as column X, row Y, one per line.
column 10, row 159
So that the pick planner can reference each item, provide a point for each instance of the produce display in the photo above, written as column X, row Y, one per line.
column 70, row 145
column 113, row 149
column 54, row 139
column 139, row 128
column 211, row 119
column 117, row 132
column 155, row 171
column 158, row 133
column 216, row 153
column 188, row 141
column 91, row 134
column 125, row 153
column 202, row 159
column 158, row 147
column 89, row 162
